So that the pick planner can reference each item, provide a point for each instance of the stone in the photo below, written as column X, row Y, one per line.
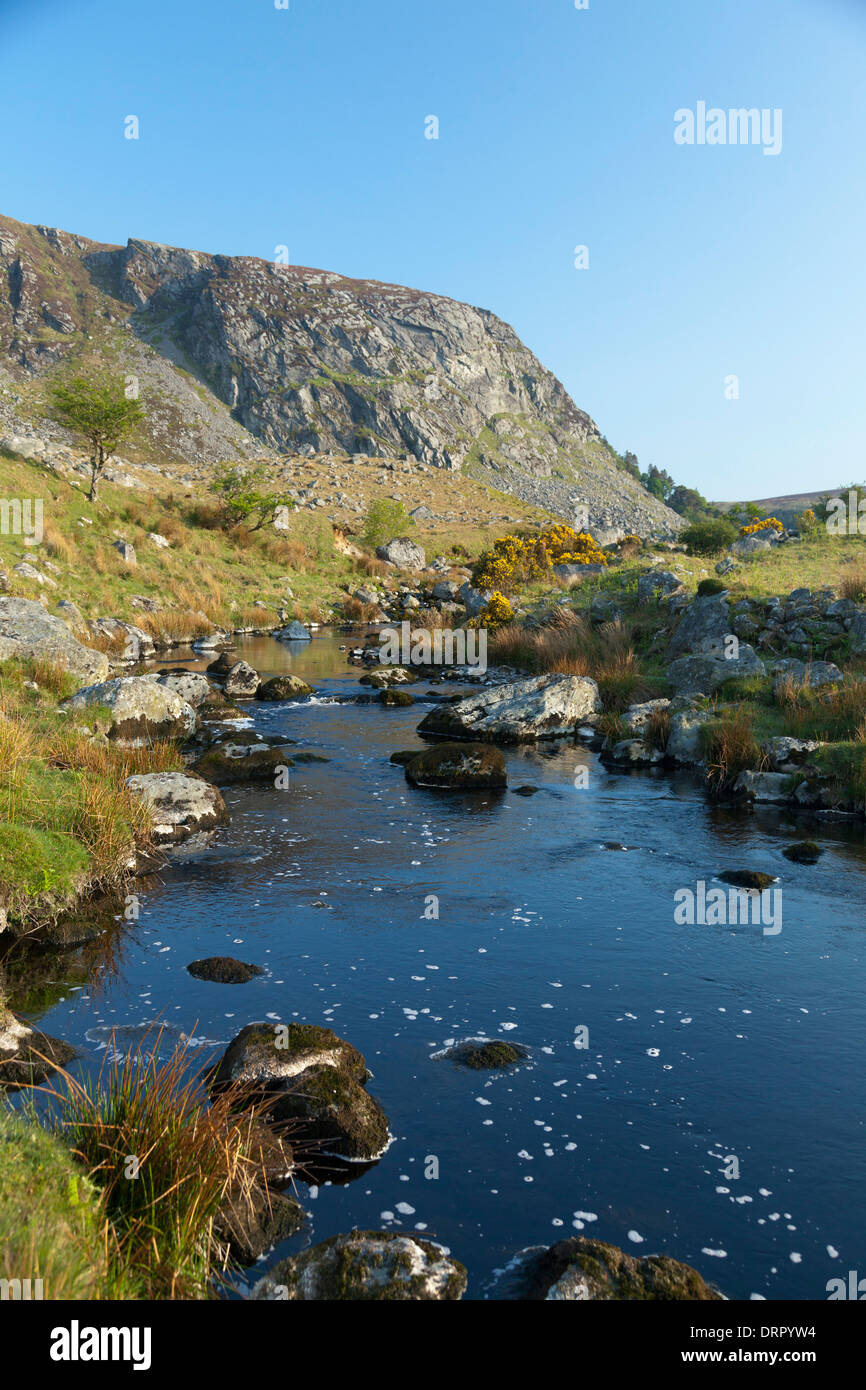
column 28, row 571
column 785, row 754
column 446, row 589
column 458, row 766
column 474, row 600
column 541, row 707
column 129, row 643
column 727, row 565
column 406, row 554
column 803, row 852
column 366, row 1266
column 230, row 762
column 751, row 879
column 704, row 672
column 73, row 617
column 815, row 675
column 159, row 541
column 685, row 740
column 638, row 716
column 312, row 1077
column 285, row 687
column 224, row 970
column 139, row 709
column 633, row 752
column 191, row 686
column 756, row 544
column 395, row 699
column 656, row 585
column 182, row 805
column 27, row 1056
column 581, row 1270
column 771, row 787
column 481, row 1054
column 126, row 552
column 295, row 632
column 241, row 682
column 28, row 631
column 704, row 624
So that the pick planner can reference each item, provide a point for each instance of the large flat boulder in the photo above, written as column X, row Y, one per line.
column 181, row 805
column 140, row 709
column 27, row 630
column 550, row 706
column 458, row 766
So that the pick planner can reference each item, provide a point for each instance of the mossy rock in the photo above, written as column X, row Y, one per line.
column 267, row 1054
column 259, row 764
column 459, row 766
column 284, row 688
column 384, row 676
column 748, row 878
column 366, row 1266
column 526, row 790
column 224, row 970
column 578, row 1269
column 332, row 1110
column 27, row 1056
column 219, row 712
column 309, row 758
column 50, row 1222
column 803, row 852
column 395, row 699
column 487, row 1056
column 407, row 756
column 252, row 1223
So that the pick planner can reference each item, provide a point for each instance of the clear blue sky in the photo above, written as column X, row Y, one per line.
column 305, row 127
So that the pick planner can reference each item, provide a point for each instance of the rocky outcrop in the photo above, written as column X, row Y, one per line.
column 181, row 805
column 313, row 1078
column 458, row 766
column 580, row 1270
column 28, row 631
column 366, row 1266
column 138, row 708
column 522, row 711
column 283, row 358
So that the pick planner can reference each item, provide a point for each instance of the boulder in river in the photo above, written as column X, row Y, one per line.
column 181, row 805
column 480, row 1054
column 366, row 1266
column 383, row 676
column 582, row 1270
column 459, row 766
column 241, row 682
column 395, row 699
column 550, row 706
column 295, row 632
column 139, row 709
column 803, row 852
column 234, row 760
column 748, row 878
column 224, row 970
column 27, row 630
column 284, row 687
column 313, row 1078
column 192, row 686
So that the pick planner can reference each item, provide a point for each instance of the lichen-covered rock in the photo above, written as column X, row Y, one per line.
column 705, row 623
column 771, row 787
column 813, row 675
column 312, row 1077
column 803, row 852
column 241, row 682
column 684, row 745
column 786, row 754
column 27, row 630
column 128, row 643
column 368, row 1266
column 181, row 805
column 633, row 752
column 459, row 766
column 402, row 552
column 581, row 1270
column 751, row 879
column 637, row 717
column 254, row 1221
column 284, row 687
column 658, row 584
column 230, row 762
column 703, row 672
column 191, row 686
column 541, row 707
column 26, row 1055
column 139, row 709
column 383, row 676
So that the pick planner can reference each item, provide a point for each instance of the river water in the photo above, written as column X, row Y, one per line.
column 712, row 1050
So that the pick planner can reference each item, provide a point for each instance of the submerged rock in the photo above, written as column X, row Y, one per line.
column 182, row 805
column 374, row 1266
column 139, row 709
column 395, row 699
column 283, row 688
column 582, row 1270
column 224, row 970
column 459, row 766
column 748, row 878
column 313, row 1077
column 479, row 1055
column 526, row 790
column 803, row 852
column 550, row 706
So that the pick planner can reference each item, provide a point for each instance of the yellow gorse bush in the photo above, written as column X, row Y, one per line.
column 518, row 559
column 495, row 614
column 770, row 523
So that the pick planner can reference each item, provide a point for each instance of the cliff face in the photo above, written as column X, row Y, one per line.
column 246, row 353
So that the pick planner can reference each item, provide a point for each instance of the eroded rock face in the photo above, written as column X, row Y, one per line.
column 459, row 766
column 139, row 709
column 406, row 554
column 27, row 1056
column 579, row 1270
column 541, row 707
column 27, row 630
column 312, row 1077
column 182, row 805
column 369, row 1266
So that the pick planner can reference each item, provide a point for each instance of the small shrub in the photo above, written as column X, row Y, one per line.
column 710, row 586
column 385, row 519
column 708, row 537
